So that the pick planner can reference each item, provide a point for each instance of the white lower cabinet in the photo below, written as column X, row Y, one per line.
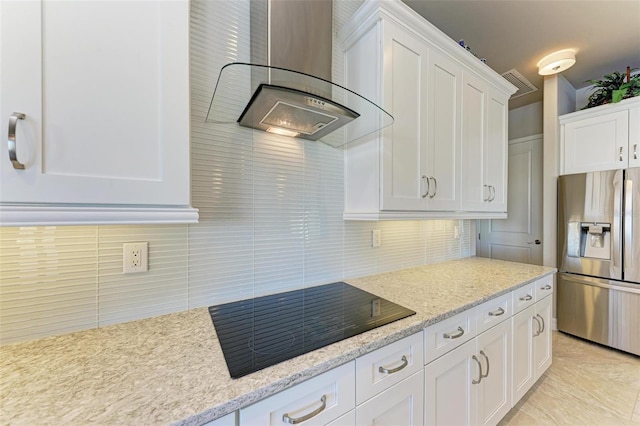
column 401, row 404
column 472, row 383
column 228, row 420
column 531, row 346
column 317, row 401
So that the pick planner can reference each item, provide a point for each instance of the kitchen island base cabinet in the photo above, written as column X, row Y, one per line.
column 471, row 384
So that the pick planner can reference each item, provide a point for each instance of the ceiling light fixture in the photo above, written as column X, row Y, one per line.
column 556, row 62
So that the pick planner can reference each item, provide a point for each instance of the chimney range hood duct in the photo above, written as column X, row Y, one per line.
column 286, row 89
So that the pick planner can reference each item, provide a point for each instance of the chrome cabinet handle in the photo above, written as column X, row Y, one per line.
column 497, row 312
column 635, row 151
column 11, row 141
column 541, row 319
column 295, row 420
column 480, row 376
column 620, row 153
column 384, row 370
column 526, row 298
column 546, row 287
column 426, row 179
column 493, row 190
column 460, row 332
column 435, row 185
column 537, row 333
column 489, row 188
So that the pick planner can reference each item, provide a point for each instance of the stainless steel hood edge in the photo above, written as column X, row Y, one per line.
column 286, row 88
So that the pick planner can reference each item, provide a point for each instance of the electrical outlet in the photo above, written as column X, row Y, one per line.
column 376, row 238
column 456, row 232
column 135, row 257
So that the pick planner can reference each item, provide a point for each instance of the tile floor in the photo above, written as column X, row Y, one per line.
column 587, row 384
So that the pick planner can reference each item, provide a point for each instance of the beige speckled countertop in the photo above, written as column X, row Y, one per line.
column 170, row 369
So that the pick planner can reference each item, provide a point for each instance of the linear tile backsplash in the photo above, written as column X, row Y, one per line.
column 270, row 221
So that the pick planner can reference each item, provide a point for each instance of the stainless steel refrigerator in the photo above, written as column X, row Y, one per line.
column 599, row 257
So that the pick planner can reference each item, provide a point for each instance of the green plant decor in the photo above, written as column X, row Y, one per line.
column 612, row 89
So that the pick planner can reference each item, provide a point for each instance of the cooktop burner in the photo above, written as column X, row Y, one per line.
column 264, row 331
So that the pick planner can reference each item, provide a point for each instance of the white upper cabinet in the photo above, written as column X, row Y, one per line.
column 104, row 92
column 484, row 146
column 412, row 169
column 601, row 138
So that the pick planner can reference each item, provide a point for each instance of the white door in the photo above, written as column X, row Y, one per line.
column 401, row 404
column 519, row 237
column 496, row 150
column 404, row 89
column 449, row 393
column 442, row 162
column 542, row 337
column 494, row 352
column 523, row 365
column 104, row 89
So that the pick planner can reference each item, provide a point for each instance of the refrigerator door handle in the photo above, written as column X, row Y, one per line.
column 616, row 228
column 632, row 242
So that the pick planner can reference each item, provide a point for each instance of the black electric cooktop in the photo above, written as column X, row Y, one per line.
column 264, row 331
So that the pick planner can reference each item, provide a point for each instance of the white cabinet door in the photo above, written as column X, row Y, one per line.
column 475, row 192
column 542, row 337
column 104, row 87
column 484, row 146
column 523, row 366
column 441, row 169
column 401, row 404
column 634, row 136
column 449, row 392
column 494, row 393
column 404, row 91
column 496, row 150
column 596, row 143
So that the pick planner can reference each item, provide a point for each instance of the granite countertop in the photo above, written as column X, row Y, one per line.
column 170, row 369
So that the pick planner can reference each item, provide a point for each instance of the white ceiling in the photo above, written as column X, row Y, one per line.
column 518, row 33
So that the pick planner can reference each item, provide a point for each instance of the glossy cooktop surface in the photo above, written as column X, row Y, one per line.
column 257, row 333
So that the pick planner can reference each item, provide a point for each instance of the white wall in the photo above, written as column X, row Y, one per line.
column 270, row 220
column 525, row 121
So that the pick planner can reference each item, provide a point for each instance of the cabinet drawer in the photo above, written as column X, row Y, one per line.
column 444, row 336
column 329, row 395
column 544, row 287
column 380, row 369
column 493, row 312
column 524, row 297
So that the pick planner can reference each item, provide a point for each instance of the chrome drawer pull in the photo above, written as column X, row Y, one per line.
column 497, row 312
column 11, row 141
column 296, row 420
column 487, row 358
column 526, row 298
column 635, row 151
column 620, row 153
column 480, row 376
column 384, row 370
column 546, row 287
column 459, row 333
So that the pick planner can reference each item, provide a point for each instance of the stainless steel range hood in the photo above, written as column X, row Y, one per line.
column 286, row 89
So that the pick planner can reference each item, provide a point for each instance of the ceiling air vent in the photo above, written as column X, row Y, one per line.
column 524, row 86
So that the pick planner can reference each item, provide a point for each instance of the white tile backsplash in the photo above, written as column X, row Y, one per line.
column 270, row 221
